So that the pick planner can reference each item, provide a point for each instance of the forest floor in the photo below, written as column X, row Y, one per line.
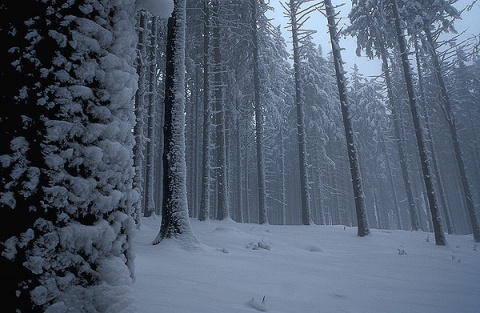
column 304, row 269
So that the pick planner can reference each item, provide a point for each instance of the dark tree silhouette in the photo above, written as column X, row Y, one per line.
column 175, row 219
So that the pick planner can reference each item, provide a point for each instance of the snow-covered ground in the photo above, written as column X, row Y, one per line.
column 304, row 269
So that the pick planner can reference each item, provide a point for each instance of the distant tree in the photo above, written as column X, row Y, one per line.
column 321, row 108
column 298, row 14
column 194, row 92
column 369, row 21
column 67, row 82
column 223, row 211
column 204, row 211
column 175, row 220
column 400, row 140
column 323, row 131
column 276, row 95
column 262, row 197
column 371, row 123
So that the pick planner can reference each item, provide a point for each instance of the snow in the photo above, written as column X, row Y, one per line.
column 307, row 269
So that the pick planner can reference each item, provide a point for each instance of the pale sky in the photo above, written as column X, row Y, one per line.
column 470, row 22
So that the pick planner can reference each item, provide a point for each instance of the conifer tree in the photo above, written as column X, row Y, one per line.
column 67, row 82
column 359, row 196
column 419, row 131
column 298, row 14
column 262, row 208
column 204, row 211
column 175, row 219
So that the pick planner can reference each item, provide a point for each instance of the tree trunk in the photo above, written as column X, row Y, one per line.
column 175, row 219
column 138, row 130
column 446, row 214
column 262, row 209
column 239, row 174
column 392, row 187
column 320, row 209
column 358, row 194
column 284, row 183
column 419, row 132
column 196, row 141
column 221, row 158
column 204, row 212
column 247, row 184
column 152, row 99
column 399, row 138
column 467, row 193
column 66, row 151
column 302, row 149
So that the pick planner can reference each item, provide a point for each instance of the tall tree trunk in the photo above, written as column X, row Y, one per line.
column 262, row 209
column 204, row 212
column 196, row 141
column 221, row 157
column 239, row 174
column 159, row 134
column 467, row 193
column 152, row 102
column 320, row 208
column 336, row 198
column 66, row 151
column 358, row 194
column 138, row 130
column 247, row 184
column 419, row 132
column 302, row 149
column 399, row 138
column 441, row 189
column 175, row 219
column 284, row 183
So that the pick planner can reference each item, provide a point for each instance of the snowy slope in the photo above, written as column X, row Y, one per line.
column 302, row 269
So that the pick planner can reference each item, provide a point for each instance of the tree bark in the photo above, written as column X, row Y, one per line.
column 152, row 99
column 419, row 132
column 204, row 212
column 283, row 173
column 138, row 129
column 392, row 186
column 359, row 196
column 66, row 150
column 221, row 157
column 262, row 209
column 467, row 193
column 399, row 138
column 302, row 149
column 175, row 220
column 436, row 169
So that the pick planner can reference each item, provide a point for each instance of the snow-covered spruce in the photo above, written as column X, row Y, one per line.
column 175, row 220
column 66, row 158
